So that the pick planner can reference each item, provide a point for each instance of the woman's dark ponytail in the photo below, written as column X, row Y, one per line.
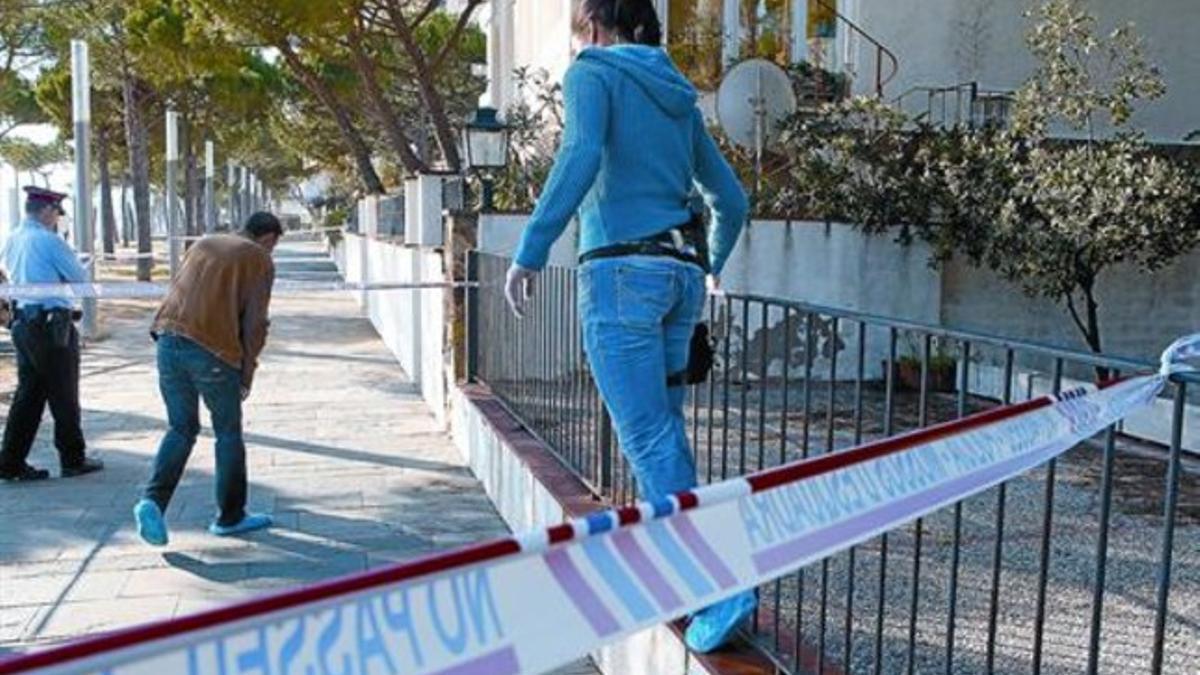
column 632, row 21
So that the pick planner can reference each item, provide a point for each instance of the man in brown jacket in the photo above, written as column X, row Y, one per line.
column 210, row 330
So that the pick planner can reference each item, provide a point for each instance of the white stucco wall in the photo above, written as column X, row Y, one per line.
column 499, row 234
column 410, row 322
column 933, row 41
column 542, row 35
column 937, row 42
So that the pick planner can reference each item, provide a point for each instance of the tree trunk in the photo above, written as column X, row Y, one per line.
column 139, row 165
column 435, row 105
column 353, row 139
column 384, row 113
column 1089, row 323
column 108, row 219
column 126, row 216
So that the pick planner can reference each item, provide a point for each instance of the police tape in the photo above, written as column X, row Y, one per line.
column 125, row 290
column 287, row 234
column 530, row 603
column 103, row 259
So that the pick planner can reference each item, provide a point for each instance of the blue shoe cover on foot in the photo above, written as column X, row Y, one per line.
column 252, row 521
column 150, row 524
column 714, row 625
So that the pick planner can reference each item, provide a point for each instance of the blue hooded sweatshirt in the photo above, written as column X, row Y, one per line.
column 634, row 143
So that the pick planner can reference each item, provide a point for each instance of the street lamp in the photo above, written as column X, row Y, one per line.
column 485, row 140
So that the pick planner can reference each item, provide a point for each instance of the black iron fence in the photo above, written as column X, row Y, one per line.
column 1089, row 564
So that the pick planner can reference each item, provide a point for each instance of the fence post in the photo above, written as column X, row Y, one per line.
column 471, row 263
column 605, row 456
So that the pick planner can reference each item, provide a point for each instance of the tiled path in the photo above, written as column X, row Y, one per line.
column 341, row 450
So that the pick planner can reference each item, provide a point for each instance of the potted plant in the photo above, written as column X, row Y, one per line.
column 942, row 368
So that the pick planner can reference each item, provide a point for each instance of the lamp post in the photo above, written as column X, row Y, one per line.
column 231, row 186
column 210, row 184
column 81, row 109
column 485, row 139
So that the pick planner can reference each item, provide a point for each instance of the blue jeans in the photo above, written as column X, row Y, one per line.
column 638, row 314
column 186, row 373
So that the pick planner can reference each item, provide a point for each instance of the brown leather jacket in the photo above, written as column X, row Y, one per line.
column 220, row 300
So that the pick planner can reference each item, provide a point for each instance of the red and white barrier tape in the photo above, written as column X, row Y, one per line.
column 535, row 601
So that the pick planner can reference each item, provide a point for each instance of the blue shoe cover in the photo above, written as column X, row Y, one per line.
column 714, row 625
column 150, row 524
column 252, row 521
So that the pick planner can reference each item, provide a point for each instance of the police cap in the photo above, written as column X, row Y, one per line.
column 44, row 197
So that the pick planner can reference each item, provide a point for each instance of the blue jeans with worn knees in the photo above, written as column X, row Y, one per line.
column 186, row 373
column 638, row 314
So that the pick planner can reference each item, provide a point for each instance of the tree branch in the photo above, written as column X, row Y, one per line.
column 434, row 103
column 463, row 19
column 1075, row 314
column 429, row 9
column 365, row 68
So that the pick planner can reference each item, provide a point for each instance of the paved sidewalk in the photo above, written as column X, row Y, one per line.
column 341, row 450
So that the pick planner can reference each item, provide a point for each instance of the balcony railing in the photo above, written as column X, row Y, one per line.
column 1087, row 564
column 957, row 106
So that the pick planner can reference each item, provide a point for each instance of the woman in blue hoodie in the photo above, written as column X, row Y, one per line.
column 634, row 145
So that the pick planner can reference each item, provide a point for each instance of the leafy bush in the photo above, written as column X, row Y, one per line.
column 535, row 123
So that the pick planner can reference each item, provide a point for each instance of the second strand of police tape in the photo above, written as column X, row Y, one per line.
column 157, row 289
column 611, row 579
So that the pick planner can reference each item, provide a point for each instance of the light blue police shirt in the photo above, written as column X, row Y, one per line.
column 35, row 255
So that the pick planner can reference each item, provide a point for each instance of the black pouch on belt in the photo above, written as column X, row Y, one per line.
column 700, row 359
column 59, row 324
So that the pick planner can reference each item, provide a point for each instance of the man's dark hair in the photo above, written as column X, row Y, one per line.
column 262, row 223
column 633, row 21
column 35, row 206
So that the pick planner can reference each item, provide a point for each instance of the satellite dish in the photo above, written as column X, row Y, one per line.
column 754, row 98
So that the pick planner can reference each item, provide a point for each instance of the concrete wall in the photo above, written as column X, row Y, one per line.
column 410, row 322
column 833, row 266
column 499, row 234
column 1140, row 314
column 516, row 487
column 937, row 46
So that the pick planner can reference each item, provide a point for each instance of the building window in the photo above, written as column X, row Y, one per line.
column 821, row 33
column 705, row 36
column 695, row 38
column 766, row 30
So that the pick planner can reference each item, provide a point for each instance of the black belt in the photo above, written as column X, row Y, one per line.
column 38, row 313
column 662, row 244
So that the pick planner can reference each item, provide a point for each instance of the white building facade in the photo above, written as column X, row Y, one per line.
column 936, row 43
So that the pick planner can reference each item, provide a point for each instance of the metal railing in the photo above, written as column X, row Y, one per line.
column 1067, row 569
column 886, row 63
column 956, row 106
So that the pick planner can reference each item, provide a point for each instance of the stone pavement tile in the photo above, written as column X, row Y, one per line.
column 13, row 621
column 125, row 560
column 14, row 570
column 340, row 448
column 178, row 580
column 93, row 585
column 83, row 585
column 194, row 605
column 348, row 500
column 33, row 590
column 19, row 527
column 84, row 618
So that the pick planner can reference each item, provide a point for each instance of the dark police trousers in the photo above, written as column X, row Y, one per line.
column 47, row 347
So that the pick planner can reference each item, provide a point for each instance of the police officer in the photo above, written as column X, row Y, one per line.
column 47, row 344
